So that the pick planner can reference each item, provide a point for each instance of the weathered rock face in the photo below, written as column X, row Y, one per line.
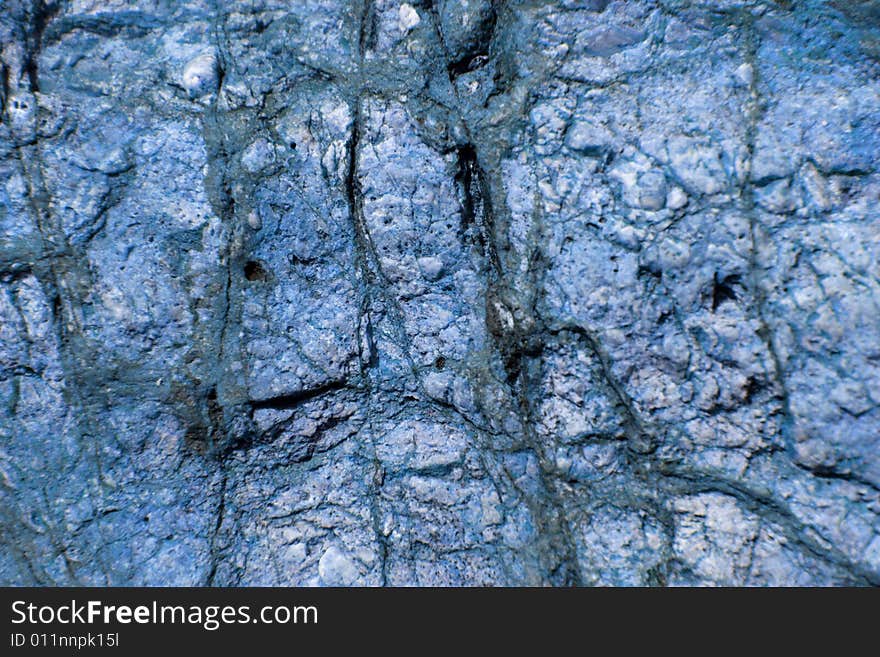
column 454, row 292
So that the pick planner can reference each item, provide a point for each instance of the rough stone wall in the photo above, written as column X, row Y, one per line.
column 442, row 292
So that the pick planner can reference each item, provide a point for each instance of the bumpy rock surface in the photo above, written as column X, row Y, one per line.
column 457, row 292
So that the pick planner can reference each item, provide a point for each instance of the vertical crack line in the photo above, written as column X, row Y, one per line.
column 476, row 205
column 753, row 111
column 560, row 525
column 367, row 362
column 529, row 366
column 778, row 508
column 366, row 30
column 474, row 210
column 368, row 261
column 514, row 346
column 218, row 152
column 354, row 199
column 43, row 14
column 214, row 409
column 227, row 306
column 214, row 550
column 222, row 43
column 58, row 543
column 62, row 275
column 65, row 323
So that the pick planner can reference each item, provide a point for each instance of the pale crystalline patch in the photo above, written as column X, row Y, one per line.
column 744, row 74
column 408, row 17
column 431, row 267
column 417, row 445
column 114, row 301
column 505, row 317
column 676, row 198
column 336, row 568
column 713, row 536
column 201, row 75
column 336, row 116
column 697, row 162
column 334, row 160
column 588, row 137
column 258, row 156
column 642, row 184
column 254, row 220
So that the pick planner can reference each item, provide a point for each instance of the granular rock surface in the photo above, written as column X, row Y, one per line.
column 446, row 292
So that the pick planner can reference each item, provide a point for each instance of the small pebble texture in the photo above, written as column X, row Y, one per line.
column 440, row 292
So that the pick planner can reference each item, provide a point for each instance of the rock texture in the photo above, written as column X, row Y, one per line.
column 443, row 292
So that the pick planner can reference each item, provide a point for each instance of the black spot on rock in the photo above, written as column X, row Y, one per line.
column 254, row 271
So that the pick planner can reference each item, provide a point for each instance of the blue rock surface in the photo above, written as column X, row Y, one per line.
column 453, row 292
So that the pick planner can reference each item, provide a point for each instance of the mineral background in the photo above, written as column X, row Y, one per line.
column 450, row 292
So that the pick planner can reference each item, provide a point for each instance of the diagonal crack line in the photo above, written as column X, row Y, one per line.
column 641, row 440
column 771, row 509
column 834, row 474
column 298, row 398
